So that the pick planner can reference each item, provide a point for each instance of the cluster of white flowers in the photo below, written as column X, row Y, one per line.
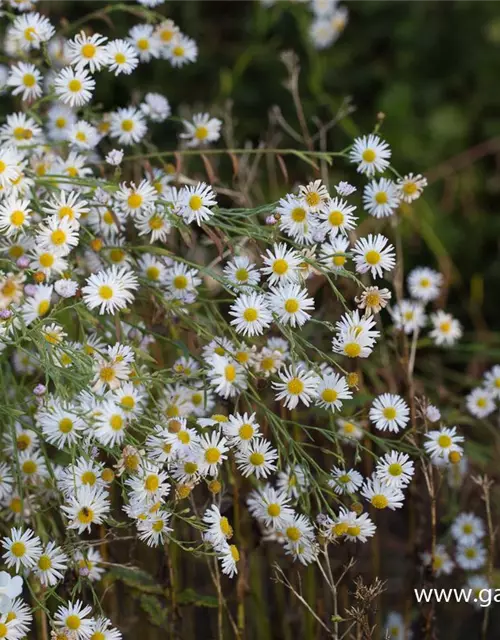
column 139, row 375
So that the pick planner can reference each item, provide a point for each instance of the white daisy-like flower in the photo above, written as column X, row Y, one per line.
column 432, row 413
column 381, row 198
column 21, row 549
column 86, row 506
column 442, row 443
column 242, row 274
column 332, row 390
column 389, row 412
column 29, row 30
column 345, row 481
column 349, row 431
column 410, row 187
column 296, row 385
column 227, row 376
column 296, row 219
column 334, row 253
column 51, row 565
column 218, row 528
column 282, row 264
column 446, row 329
column 83, row 135
column 202, row 130
column 74, row 619
column 155, row 107
column 104, row 630
column 181, row 51
column 240, row 430
column 10, row 165
column 395, row 468
column 395, row 628
column 146, row 42
column 25, row 80
column 213, row 452
column 258, row 458
column 353, row 344
column 293, row 480
column 338, row 217
column 74, row 86
column 182, row 281
column 471, row 556
column 38, row 305
column 424, row 284
column 165, row 31
column 194, row 203
column 440, row 562
column 251, row 314
column 229, row 556
column 408, row 316
column 134, row 199
column 315, row 195
column 344, row 189
column 15, row 215
column 492, row 381
column 88, row 51
column 291, row 304
column 374, row 255
column 121, row 57
column 110, row 424
column 467, row 528
column 373, row 299
column 110, row 289
column 382, row 495
column 61, row 425
column 371, row 154
column 127, row 125
column 480, row 402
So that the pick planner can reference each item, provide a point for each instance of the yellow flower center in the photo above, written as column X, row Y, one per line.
column 74, row 85
column 379, row 501
column 29, row 467
column 313, row 199
column 143, row 44
column 178, row 51
column 195, row 203
column 88, row 477
column 116, row 422
column 153, row 273
column 17, row 218
column 106, row 293
column 395, row 469
column 212, row 455
column 291, row 305
column 352, row 349
column 273, row 510
column 250, row 314
column 152, row 483
column 73, row 622
column 293, row 534
column 242, row 275
column 246, row 431
column 445, row 327
column 467, row 528
column 18, row 549
column 134, row 200
column 89, row 50
column 257, row 459
column 339, row 261
column 381, row 197
column 353, row 530
column 230, row 372
column 201, row 132
column 410, row 188
column 85, row 515
column 389, row 413
column 29, row 80
column 340, row 528
column 295, row 386
column 65, row 425
column 190, row 468
column 180, row 282
column 234, row 553
column 127, row 125
column 329, row 395
column 127, row 403
column 298, row 214
column 336, row 218
column 280, row 266
column 372, row 257
column 369, row 155
column 444, row 441
column 58, row 237
column 44, row 563
column 225, row 527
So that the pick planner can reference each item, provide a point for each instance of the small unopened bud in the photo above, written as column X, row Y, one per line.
column 5, row 314
column 96, row 244
column 39, row 277
column 357, row 507
column 183, row 491
column 23, row 262
column 214, row 486
column 107, row 475
column 352, row 380
column 271, row 220
column 454, row 457
column 40, row 389
column 30, row 289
